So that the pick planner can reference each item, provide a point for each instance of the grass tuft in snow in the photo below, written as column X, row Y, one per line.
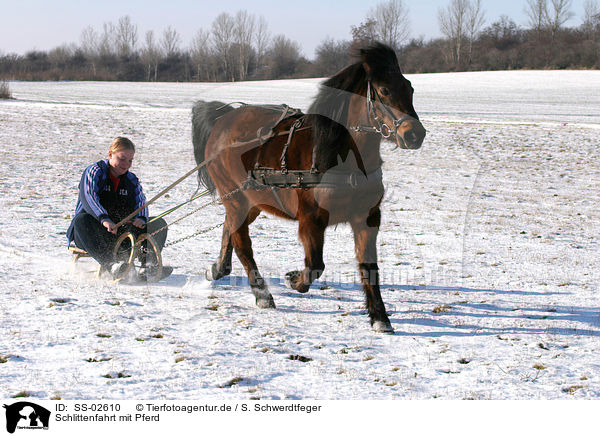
column 117, row 375
column 5, row 93
column 442, row 308
column 299, row 358
column 234, row 381
column 571, row 390
column 94, row 360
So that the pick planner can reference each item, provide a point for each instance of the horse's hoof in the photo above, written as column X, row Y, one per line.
column 290, row 278
column 383, row 327
column 211, row 273
column 291, row 281
column 265, row 303
column 264, row 299
column 214, row 273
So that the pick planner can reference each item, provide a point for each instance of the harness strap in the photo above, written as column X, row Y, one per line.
column 287, row 112
column 383, row 129
column 264, row 178
column 297, row 125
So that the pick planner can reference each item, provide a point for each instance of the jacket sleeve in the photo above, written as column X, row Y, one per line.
column 140, row 200
column 89, row 193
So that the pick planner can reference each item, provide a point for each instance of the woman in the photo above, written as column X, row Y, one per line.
column 108, row 193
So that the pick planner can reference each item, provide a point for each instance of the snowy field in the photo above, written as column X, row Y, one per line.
column 489, row 254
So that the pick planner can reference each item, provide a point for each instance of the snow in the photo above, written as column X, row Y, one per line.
column 488, row 254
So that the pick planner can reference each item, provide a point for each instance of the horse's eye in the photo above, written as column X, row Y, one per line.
column 384, row 91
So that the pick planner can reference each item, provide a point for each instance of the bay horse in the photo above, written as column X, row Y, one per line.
column 338, row 140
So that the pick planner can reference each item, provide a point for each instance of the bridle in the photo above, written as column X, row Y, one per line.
column 377, row 125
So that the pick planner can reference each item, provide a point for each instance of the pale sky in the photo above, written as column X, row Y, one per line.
column 44, row 24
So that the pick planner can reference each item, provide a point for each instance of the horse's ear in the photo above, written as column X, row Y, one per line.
column 367, row 69
column 365, row 64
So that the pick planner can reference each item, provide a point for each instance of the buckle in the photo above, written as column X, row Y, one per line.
column 353, row 180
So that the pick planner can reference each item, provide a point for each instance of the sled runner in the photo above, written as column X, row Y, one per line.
column 143, row 256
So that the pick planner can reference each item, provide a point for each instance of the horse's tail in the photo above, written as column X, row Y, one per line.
column 204, row 117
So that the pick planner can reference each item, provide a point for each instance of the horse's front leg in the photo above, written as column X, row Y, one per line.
column 365, row 246
column 242, row 244
column 311, row 230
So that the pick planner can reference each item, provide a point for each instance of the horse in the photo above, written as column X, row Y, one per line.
column 336, row 143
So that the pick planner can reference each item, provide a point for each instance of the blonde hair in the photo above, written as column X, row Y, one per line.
column 121, row 143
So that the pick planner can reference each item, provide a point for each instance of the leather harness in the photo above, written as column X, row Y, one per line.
column 261, row 178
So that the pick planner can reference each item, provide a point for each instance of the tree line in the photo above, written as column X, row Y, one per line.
column 240, row 47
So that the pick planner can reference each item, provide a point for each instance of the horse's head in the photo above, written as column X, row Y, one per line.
column 390, row 98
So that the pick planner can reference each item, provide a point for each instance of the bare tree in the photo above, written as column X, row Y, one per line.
column 537, row 12
column 107, row 41
column 591, row 18
column 453, row 24
column 222, row 35
column 150, row 55
column 285, row 55
column 261, row 40
column 170, row 42
column 89, row 46
column 126, row 35
column 392, row 25
column 243, row 33
column 364, row 33
column 331, row 57
column 200, row 52
column 559, row 15
column 475, row 21
column 59, row 57
column 89, row 41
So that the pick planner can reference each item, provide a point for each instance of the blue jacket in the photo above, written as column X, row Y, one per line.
column 97, row 196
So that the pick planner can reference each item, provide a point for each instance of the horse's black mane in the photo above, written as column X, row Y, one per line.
column 329, row 110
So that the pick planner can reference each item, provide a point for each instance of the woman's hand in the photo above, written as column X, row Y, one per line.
column 110, row 226
column 139, row 223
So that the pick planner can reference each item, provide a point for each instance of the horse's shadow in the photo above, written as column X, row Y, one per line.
column 585, row 320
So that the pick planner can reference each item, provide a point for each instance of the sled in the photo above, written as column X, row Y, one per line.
column 135, row 254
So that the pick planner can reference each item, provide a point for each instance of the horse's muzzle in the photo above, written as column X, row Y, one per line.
column 410, row 135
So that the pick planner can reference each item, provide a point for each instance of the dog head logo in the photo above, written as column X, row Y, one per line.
column 26, row 415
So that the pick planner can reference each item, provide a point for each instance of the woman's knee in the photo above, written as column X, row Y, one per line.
column 158, row 228
column 158, row 224
column 86, row 224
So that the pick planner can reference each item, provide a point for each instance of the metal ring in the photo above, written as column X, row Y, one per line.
column 153, row 249
column 386, row 127
column 127, row 256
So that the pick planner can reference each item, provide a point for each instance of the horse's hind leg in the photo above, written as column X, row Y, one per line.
column 222, row 267
column 311, row 230
column 365, row 245
column 240, row 239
